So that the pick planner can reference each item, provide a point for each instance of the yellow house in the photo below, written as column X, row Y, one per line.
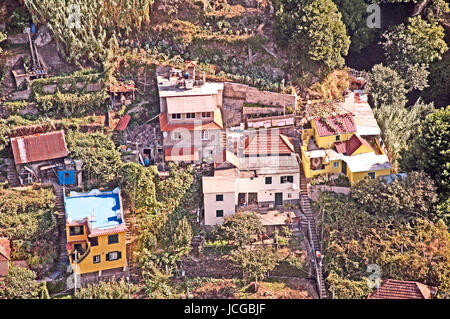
column 332, row 146
column 95, row 229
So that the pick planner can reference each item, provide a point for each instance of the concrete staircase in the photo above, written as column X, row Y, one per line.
column 63, row 259
column 309, row 226
column 132, row 270
column 13, row 180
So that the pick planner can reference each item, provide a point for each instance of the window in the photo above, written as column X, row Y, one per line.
column 268, row 179
column 176, row 135
column 219, row 198
column 219, row 213
column 97, row 259
column 190, row 115
column 114, row 255
column 78, row 247
column 113, row 239
column 176, row 116
column 206, row 115
column 335, row 164
column 205, row 135
column 371, row 175
column 76, row 230
column 286, row 179
column 338, row 137
column 94, row 241
column 66, row 175
column 289, row 195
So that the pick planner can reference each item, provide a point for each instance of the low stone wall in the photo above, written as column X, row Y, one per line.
column 253, row 95
column 313, row 191
column 20, row 38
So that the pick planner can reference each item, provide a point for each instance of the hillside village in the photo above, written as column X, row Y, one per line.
column 189, row 153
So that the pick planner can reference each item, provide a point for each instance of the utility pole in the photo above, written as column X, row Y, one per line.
column 75, row 271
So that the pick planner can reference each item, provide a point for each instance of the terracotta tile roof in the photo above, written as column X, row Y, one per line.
column 263, row 144
column 186, row 154
column 123, row 123
column 166, row 127
column 39, row 147
column 335, row 124
column 5, row 249
column 350, row 146
column 398, row 289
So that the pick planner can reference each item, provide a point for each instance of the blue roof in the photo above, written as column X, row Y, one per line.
column 104, row 206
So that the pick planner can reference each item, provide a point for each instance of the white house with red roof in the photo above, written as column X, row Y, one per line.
column 259, row 169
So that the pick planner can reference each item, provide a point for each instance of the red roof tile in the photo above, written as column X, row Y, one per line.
column 39, row 147
column 186, row 154
column 263, row 144
column 398, row 289
column 123, row 123
column 5, row 249
column 334, row 125
column 165, row 126
column 350, row 146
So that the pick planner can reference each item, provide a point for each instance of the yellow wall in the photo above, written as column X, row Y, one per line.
column 327, row 142
column 87, row 264
column 329, row 169
column 362, row 149
column 356, row 177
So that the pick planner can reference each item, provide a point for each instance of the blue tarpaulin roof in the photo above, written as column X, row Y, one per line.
column 103, row 207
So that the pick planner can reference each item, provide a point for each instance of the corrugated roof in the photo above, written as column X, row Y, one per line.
column 123, row 123
column 398, row 289
column 39, row 147
column 333, row 125
column 167, row 127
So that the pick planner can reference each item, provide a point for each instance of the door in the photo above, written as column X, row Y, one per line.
column 278, row 198
column 344, row 168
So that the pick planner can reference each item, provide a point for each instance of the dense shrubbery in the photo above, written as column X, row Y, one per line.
column 384, row 227
column 27, row 218
column 101, row 160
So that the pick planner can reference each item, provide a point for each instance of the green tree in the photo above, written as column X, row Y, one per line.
column 138, row 185
column 354, row 15
column 386, row 85
column 315, row 29
column 255, row 263
column 412, row 197
column 409, row 49
column 429, row 151
column 112, row 289
column 20, row 283
column 399, row 124
column 404, row 249
column 241, row 228
column 157, row 281
column 101, row 160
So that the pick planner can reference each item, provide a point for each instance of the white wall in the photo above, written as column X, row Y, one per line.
column 211, row 205
column 266, row 193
